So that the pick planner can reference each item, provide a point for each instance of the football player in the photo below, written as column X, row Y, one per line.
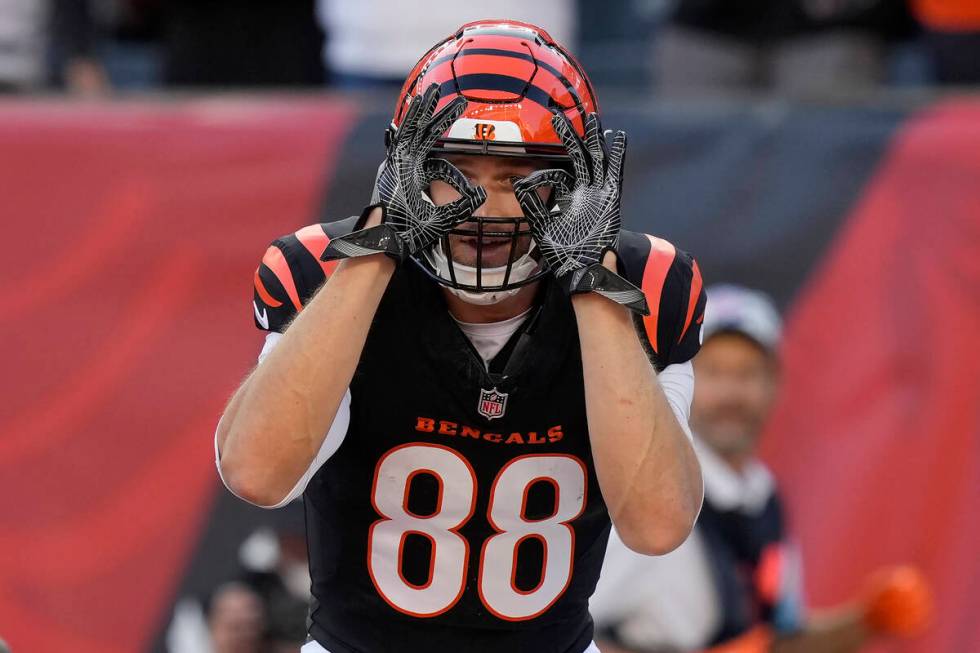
column 469, row 380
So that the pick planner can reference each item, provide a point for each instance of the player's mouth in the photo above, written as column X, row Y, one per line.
column 489, row 245
column 493, row 252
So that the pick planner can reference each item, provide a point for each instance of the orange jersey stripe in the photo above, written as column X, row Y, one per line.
column 264, row 294
column 276, row 262
column 661, row 257
column 692, row 302
column 315, row 242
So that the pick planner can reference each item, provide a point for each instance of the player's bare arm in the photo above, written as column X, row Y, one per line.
column 276, row 421
column 647, row 468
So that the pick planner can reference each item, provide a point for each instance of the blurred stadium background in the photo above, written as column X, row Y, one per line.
column 150, row 150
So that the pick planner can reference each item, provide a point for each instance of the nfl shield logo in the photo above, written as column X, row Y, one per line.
column 492, row 403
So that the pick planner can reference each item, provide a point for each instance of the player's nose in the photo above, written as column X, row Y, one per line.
column 499, row 204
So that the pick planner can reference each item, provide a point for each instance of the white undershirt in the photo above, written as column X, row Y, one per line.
column 488, row 339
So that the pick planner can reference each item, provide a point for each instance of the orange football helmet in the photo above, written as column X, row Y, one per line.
column 515, row 78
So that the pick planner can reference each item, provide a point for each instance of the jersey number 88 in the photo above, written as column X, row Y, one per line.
column 455, row 504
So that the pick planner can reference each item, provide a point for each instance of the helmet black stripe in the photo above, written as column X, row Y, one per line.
column 493, row 82
column 513, row 54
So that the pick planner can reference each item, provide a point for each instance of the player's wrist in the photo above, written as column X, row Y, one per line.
column 609, row 260
column 595, row 312
column 378, row 263
column 601, row 280
column 373, row 236
column 375, row 213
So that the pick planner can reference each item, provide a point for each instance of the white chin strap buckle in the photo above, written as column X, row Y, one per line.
column 485, row 298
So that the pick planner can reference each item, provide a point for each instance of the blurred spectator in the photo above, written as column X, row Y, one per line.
column 74, row 41
column 236, row 620
column 737, row 580
column 130, row 46
column 242, row 43
column 23, row 42
column 3, row 647
column 274, row 569
column 376, row 42
column 277, row 567
column 31, row 31
column 789, row 46
column 952, row 38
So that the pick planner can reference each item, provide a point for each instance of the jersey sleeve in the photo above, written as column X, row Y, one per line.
column 671, row 280
column 291, row 272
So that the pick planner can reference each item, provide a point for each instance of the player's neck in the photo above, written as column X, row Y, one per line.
column 503, row 310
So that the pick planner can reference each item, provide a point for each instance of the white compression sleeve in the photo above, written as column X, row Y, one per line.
column 677, row 382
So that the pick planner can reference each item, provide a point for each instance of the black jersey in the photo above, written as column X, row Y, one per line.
column 462, row 512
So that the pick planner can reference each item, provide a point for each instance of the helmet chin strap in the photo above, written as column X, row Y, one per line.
column 522, row 268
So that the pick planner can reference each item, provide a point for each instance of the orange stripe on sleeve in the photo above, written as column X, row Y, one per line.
column 315, row 242
column 276, row 262
column 661, row 257
column 692, row 302
column 264, row 294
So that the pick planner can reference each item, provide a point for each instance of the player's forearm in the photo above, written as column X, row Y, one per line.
column 647, row 469
column 276, row 422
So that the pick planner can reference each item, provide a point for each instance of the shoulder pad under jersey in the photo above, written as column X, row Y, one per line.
column 671, row 281
column 291, row 272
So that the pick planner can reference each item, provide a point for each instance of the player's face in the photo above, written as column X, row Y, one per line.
column 494, row 174
column 734, row 388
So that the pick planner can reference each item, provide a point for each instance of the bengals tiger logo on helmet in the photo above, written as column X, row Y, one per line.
column 483, row 131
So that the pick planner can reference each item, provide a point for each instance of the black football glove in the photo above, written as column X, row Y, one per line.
column 586, row 222
column 410, row 221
